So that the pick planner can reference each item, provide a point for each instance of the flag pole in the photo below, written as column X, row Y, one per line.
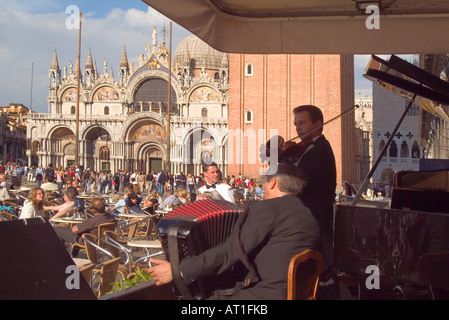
column 78, row 96
column 169, row 104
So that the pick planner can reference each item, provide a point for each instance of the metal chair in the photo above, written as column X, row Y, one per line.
column 108, row 275
column 304, row 275
column 6, row 215
column 101, row 229
column 98, row 254
column 117, row 246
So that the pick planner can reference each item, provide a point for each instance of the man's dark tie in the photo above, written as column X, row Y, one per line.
column 210, row 186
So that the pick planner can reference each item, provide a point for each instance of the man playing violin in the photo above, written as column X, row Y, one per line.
column 316, row 158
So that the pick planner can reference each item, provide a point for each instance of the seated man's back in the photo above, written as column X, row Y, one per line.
column 91, row 225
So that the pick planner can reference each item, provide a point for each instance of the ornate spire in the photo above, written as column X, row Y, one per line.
column 124, row 62
column 54, row 63
column 89, row 63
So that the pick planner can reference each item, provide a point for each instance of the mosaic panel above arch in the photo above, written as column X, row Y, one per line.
column 105, row 94
column 70, row 95
column 147, row 131
column 204, row 95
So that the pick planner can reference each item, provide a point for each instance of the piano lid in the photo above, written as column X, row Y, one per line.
column 410, row 82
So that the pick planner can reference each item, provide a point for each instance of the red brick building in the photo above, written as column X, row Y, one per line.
column 263, row 91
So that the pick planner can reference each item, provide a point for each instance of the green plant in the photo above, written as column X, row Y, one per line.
column 141, row 276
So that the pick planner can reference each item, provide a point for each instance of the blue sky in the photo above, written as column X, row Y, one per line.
column 30, row 32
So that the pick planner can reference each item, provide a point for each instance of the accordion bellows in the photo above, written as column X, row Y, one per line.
column 200, row 225
column 210, row 221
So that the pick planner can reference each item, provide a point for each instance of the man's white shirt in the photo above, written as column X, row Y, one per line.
column 222, row 189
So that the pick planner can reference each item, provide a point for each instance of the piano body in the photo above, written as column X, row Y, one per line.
column 395, row 236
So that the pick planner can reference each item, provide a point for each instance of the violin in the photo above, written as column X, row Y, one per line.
column 290, row 148
column 285, row 150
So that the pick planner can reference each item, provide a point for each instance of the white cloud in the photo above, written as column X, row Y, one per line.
column 28, row 38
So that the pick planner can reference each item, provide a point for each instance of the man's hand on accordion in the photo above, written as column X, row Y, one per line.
column 161, row 273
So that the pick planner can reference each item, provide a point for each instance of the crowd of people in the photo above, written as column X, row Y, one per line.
column 105, row 182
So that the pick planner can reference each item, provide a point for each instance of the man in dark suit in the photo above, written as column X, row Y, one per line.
column 318, row 162
column 274, row 230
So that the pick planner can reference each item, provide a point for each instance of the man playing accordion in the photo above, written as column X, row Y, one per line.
column 270, row 232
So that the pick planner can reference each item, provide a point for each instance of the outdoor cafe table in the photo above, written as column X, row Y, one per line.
column 146, row 244
column 133, row 215
column 71, row 221
column 85, row 196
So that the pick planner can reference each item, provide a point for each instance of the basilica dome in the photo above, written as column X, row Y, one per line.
column 193, row 49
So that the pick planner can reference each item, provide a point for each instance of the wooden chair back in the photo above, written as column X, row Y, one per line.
column 91, row 251
column 86, row 271
column 5, row 215
column 112, row 249
column 105, row 227
column 304, row 275
column 108, row 275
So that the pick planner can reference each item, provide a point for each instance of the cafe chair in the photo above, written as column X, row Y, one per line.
column 304, row 275
column 6, row 215
column 433, row 271
column 108, row 275
column 129, row 229
column 89, row 213
column 118, row 245
column 98, row 254
column 101, row 229
column 151, row 209
column 12, row 207
column 10, row 202
column 86, row 271
column 147, row 230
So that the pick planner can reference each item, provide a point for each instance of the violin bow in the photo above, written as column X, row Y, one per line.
column 328, row 121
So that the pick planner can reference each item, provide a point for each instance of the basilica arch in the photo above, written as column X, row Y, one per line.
column 145, row 75
column 150, row 157
column 146, row 139
column 199, row 145
column 60, row 146
column 96, row 141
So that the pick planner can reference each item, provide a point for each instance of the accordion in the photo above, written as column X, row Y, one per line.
column 191, row 229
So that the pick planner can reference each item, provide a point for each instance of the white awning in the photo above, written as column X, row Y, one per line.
column 313, row 26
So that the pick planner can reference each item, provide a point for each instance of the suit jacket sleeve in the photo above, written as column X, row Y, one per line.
column 255, row 230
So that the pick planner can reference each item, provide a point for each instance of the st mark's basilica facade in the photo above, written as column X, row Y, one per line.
column 122, row 121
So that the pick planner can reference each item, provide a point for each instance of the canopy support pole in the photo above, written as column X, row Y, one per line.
column 381, row 154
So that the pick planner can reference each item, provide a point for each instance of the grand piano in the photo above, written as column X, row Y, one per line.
column 406, row 238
